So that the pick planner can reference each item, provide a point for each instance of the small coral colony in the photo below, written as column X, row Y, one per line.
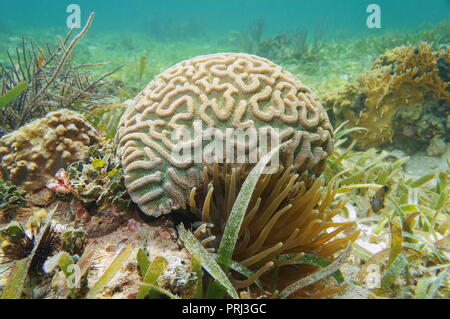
column 94, row 203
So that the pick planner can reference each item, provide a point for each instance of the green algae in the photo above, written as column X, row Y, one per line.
column 153, row 272
column 197, row 268
column 13, row 94
column 207, row 260
column 110, row 272
column 11, row 197
column 16, row 281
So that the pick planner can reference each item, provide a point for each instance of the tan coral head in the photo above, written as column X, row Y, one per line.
column 31, row 155
column 220, row 91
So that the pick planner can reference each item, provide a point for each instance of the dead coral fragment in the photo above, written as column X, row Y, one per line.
column 32, row 155
column 286, row 218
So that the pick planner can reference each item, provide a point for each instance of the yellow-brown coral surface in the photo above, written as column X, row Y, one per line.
column 403, row 79
column 30, row 156
column 220, row 91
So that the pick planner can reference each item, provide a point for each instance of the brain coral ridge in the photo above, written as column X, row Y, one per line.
column 222, row 91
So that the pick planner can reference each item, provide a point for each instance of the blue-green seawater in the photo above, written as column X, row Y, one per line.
column 216, row 18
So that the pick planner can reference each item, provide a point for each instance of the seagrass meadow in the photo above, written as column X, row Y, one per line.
column 97, row 203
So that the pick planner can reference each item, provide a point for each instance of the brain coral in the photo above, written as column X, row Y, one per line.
column 30, row 156
column 222, row 91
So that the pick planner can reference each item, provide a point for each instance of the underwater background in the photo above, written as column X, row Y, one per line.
column 66, row 197
column 327, row 44
column 216, row 18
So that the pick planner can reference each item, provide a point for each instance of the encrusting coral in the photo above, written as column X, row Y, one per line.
column 221, row 91
column 286, row 219
column 405, row 86
column 33, row 154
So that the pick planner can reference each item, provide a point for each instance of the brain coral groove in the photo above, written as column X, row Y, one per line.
column 222, row 91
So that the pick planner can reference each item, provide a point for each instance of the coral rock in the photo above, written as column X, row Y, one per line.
column 176, row 278
column 437, row 147
column 221, row 91
column 32, row 155
column 400, row 89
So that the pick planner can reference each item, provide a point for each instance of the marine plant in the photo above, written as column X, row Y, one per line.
column 37, row 82
column 150, row 272
column 107, row 117
column 303, row 45
column 256, row 30
column 11, row 199
column 279, row 48
column 110, row 272
column 417, row 227
column 299, row 45
column 250, row 39
column 306, row 46
column 410, row 214
column 436, row 36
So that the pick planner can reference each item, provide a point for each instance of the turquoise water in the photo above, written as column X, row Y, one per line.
column 216, row 18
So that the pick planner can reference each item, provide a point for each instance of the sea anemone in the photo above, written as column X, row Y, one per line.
column 286, row 219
